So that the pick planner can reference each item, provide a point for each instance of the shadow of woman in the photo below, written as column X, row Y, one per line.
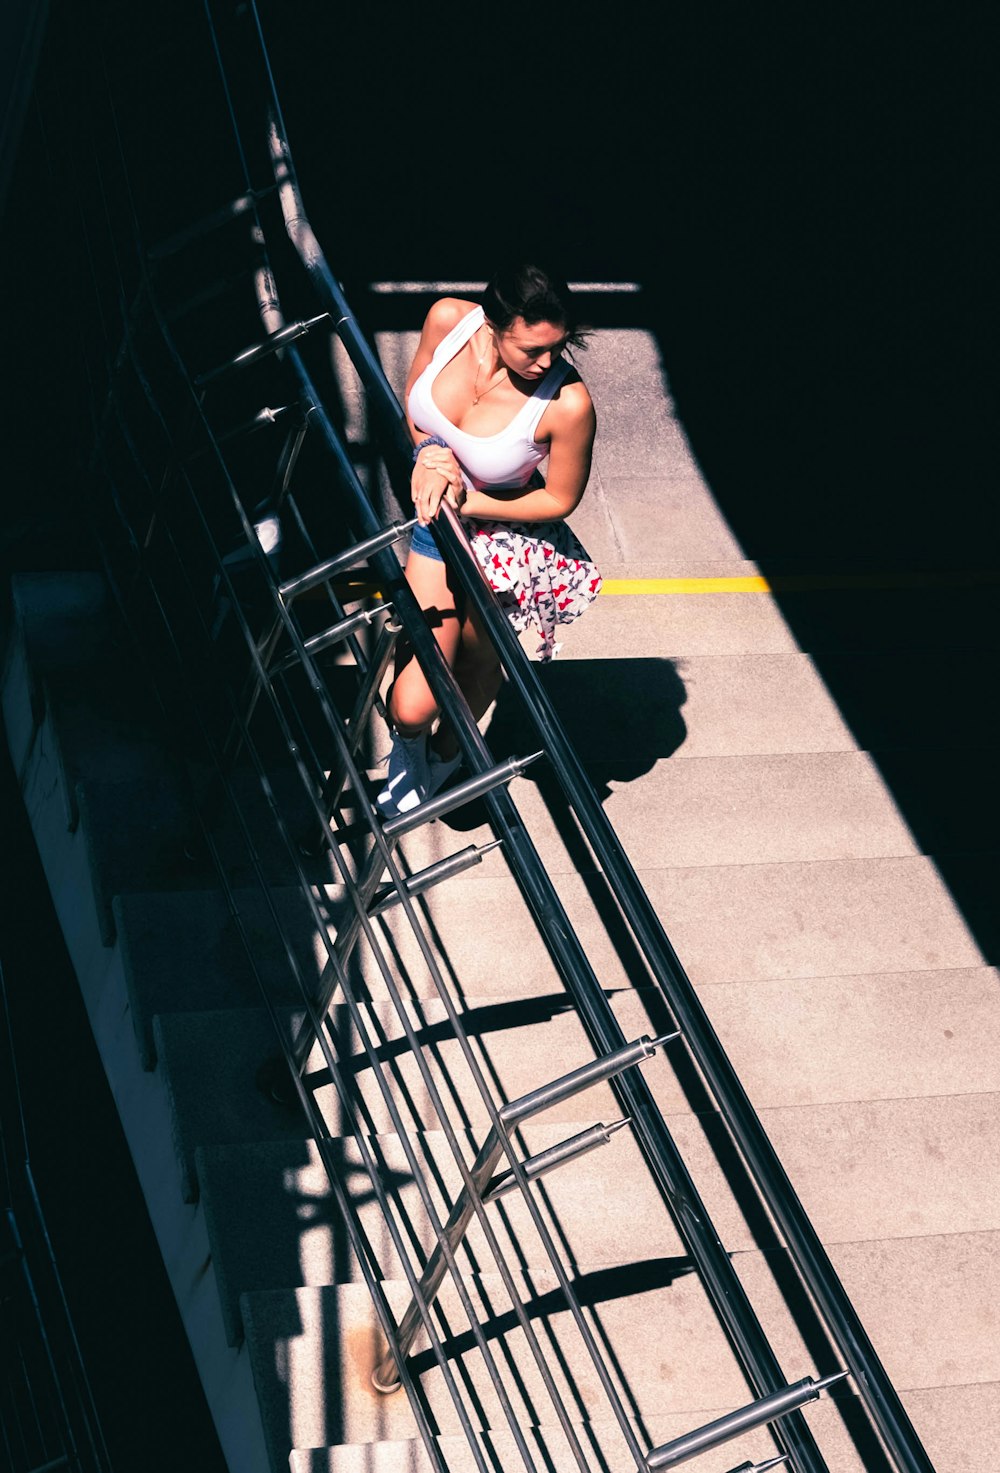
column 620, row 716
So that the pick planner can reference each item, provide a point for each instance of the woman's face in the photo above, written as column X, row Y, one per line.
column 529, row 349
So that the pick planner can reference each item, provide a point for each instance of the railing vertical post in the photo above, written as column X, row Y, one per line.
column 483, row 1168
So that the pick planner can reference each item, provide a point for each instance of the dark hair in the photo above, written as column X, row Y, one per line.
column 533, row 292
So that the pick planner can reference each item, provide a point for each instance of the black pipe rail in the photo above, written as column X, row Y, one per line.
column 806, row 1251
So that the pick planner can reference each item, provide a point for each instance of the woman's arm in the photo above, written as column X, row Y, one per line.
column 436, row 472
column 573, row 425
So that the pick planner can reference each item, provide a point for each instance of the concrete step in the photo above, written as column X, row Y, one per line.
column 942, row 1417
column 74, row 686
column 717, row 811
column 208, row 1063
column 756, row 922
column 750, row 810
column 602, row 1441
column 273, row 1223
column 182, row 950
column 83, row 717
column 924, row 1175
column 144, row 835
column 135, row 835
column 691, row 707
column 643, row 627
column 210, row 1060
column 788, row 926
column 926, row 1302
column 832, row 918
column 61, row 624
column 518, row 1044
column 772, row 706
column 744, row 810
column 819, row 1040
column 706, row 705
column 886, row 1169
column 100, row 731
column 792, row 1039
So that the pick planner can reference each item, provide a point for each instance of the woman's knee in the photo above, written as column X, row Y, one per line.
column 411, row 705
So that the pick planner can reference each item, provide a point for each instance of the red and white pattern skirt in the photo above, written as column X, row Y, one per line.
column 541, row 573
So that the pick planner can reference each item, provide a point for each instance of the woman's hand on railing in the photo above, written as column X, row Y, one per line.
column 436, row 474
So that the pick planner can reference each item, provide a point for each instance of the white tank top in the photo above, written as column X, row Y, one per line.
column 506, row 458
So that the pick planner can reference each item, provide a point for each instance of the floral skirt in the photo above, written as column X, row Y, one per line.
column 541, row 573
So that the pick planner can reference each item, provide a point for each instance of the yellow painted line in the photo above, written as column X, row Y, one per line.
column 352, row 589
column 798, row 583
column 685, row 585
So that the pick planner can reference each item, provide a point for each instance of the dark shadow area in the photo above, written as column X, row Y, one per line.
column 141, row 1370
column 621, row 717
column 591, row 1289
column 476, row 1022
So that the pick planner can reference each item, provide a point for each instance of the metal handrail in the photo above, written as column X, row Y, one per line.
column 116, row 419
column 770, row 1179
column 807, row 1252
column 485, row 1165
column 724, row 1287
column 318, row 1128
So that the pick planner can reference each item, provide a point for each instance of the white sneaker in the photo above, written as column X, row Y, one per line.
column 407, row 777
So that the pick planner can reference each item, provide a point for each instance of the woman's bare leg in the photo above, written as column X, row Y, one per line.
column 464, row 644
column 411, row 704
column 477, row 670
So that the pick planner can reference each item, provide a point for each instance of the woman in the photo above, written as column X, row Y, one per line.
column 488, row 397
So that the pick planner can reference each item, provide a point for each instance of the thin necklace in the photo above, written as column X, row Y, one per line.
column 476, row 395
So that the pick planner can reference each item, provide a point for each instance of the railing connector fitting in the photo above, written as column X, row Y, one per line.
column 766, row 1409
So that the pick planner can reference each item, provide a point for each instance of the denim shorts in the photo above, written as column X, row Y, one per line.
column 423, row 542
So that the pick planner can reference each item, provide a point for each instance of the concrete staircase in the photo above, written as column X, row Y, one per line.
column 848, row 990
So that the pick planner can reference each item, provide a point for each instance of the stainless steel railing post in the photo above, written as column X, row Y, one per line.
column 734, row 1424
column 368, row 882
column 512, row 1115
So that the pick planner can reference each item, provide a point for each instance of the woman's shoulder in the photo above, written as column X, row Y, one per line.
column 572, row 401
column 444, row 314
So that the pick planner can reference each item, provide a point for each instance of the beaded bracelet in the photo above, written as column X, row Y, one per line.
column 431, row 440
